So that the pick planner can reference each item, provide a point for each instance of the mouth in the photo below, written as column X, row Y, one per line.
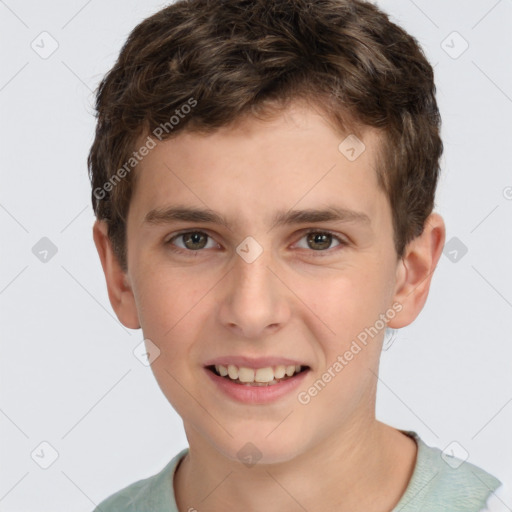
column 259, row 377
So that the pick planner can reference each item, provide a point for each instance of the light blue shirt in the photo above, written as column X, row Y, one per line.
column 436, row 485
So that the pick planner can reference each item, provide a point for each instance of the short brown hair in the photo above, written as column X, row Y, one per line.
column 238, row 57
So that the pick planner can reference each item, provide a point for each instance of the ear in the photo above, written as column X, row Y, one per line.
column 119, row 290
column 415, row 270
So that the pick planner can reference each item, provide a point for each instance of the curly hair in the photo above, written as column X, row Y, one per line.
column 224, row 59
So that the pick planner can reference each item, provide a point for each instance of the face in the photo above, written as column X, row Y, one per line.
column 300, row 290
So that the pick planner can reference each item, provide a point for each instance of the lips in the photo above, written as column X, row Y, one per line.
column 257, row 393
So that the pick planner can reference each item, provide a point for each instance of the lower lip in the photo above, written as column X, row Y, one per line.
column 257, row 394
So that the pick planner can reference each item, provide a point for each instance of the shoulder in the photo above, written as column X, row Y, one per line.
column 498, row 500
column 154, row 493
column 441, row 481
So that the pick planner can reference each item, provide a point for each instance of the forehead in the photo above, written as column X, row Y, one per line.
column 294, row 159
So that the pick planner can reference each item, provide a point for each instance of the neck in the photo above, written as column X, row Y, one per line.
column 346, row 472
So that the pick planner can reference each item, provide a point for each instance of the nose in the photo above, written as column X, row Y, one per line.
column 254, row 301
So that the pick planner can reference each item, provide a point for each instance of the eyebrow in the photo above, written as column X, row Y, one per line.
column 281, row 218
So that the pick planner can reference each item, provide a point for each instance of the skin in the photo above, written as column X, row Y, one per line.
column 331, row 454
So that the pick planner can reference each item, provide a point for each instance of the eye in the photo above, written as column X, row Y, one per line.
column 320, row 241
column 193, row 241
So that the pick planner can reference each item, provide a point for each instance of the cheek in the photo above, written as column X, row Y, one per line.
column 169, row 303
column 351, row 306
column 167, row 297
column 347, row 301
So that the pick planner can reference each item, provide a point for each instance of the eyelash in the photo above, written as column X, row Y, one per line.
column 188, row 252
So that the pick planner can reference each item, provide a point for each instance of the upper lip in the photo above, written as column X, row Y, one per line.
column 253, row 362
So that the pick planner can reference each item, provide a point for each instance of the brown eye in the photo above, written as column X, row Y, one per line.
column 194, row 240
column 190, row 241
column 319, row 241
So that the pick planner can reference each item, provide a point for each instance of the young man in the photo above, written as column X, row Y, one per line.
column 264, row 175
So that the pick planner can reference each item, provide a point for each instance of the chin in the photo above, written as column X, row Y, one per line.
column 259, row 449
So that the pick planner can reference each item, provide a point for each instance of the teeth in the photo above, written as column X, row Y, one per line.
column 262, row 375
column 232, row 372
column 246, row 374
column 280, row 371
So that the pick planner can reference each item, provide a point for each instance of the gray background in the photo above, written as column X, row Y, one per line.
column 68, row 374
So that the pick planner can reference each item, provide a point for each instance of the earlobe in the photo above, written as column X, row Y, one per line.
column 120, row 292
column 415, row 270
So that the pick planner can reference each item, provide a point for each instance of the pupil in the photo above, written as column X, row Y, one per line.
column 320, row 238
column 193, row 237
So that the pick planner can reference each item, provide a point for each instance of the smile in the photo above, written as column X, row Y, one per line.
column 256, row 385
